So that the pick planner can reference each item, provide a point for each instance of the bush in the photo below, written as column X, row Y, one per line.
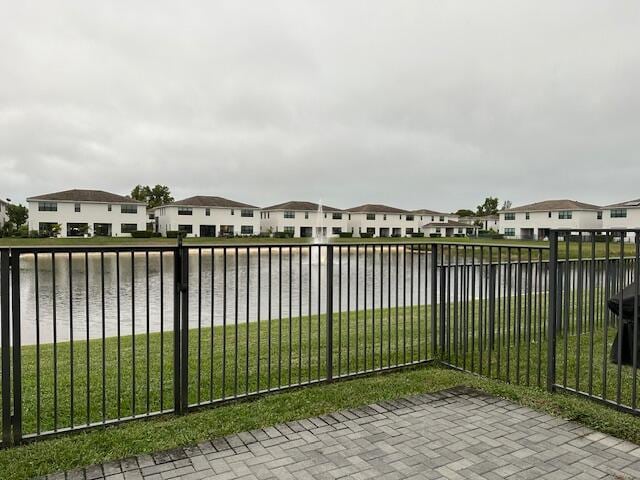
column 283, row 235
column 435, row 235
column 366, row 235
column 141, row 234
column 396, row 235
column 345, row 235
column 459, row 235
column 173, row 233
column 417, row 234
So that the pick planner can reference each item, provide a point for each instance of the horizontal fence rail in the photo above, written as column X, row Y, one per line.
column 98, row 336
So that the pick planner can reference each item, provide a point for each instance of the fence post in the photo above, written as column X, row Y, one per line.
column 6, row 347
column 434, row 299
column 444, row 269
column 180, row 328
column 493, row 270
column 329, row 313
column 17, row 348
column 553, row 301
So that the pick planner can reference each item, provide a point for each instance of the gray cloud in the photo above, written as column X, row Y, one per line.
column 412, row 103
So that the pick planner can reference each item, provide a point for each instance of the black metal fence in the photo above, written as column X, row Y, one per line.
column 96, row 336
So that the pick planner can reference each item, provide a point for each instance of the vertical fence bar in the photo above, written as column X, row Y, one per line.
column 17, row 348
column 6, row 350
column 329, row 314
column 184, row 330
column 177, row 286
column 551, row 327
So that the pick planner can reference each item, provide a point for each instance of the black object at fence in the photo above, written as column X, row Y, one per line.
column 98, row 336
column 624, row 304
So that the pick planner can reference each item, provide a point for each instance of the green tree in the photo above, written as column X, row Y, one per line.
column 18, row 214
column 489, row 207
column 465, row 212
column 153, row 197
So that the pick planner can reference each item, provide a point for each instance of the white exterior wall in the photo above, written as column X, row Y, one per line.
column 443, row 231
column 90, row 213
column 3, row 213
column 167, row 219
column 631, row 221
column 385, row 221
column 274, row 221
column 581, row 219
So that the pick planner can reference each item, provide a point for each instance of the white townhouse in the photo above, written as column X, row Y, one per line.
column 381, row 221
column 304, row 219
column 86, row 212
column 3, row 212
column 424, row 216
column 485, row 222
column 534, row 221
column 206, row 216
column 624, row 215
column 451, row 228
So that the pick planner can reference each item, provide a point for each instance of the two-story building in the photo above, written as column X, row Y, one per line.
column 304, row 219
column 485, row 222
column 207, row 216
column 3, row 212
column 624, row 215
column 381, row 221
column 534, row 221
column 452, row 228
column 78, row 213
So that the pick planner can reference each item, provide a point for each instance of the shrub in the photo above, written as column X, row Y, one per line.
column 366, row 235
column 345, row 235
column 435, row 235
column 141, row 234
column 396, row 235
column 417, row 234
column 459, row 235
column 283, row 235
column 173, row 233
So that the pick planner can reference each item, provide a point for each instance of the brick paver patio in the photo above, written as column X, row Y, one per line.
column 456, row 434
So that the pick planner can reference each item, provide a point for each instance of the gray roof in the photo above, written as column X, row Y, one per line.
column 627, row 204
column 92, row 196
column 302, row 206
column 553, row 205
column 208, row 201
column 376, row 208
column 450, row 223
column 426, row 211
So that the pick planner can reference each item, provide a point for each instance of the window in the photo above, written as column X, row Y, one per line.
column 47, row 207
column 527, row 216
column 185, row 228
column 336, row 230
column 409, row 218
column 76, row 207
column 246, row 229
column 109, row 208
column 77, row 229
column 207, row 212
column 246, row 212
column 461, row 230
column 290, row 230
column 372, row 216
column 599, row 215
column 384, row 217
column 349, row 216
column 128, row 227
column 233, row 212
column 509, row 232
column 336, row 216
column 442, row 218
column 618, row 213
column 306, row 215
column 289, row 214
column 226, row 230
column 48, row 228
column 409, row 231
column 128, row 209
column 565, row 215
column 510, row 216
column 185, row 211
column 438, row 230
column 549, row 214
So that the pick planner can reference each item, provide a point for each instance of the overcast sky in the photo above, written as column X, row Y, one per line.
column 417, row 104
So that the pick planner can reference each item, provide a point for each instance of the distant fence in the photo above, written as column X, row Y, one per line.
column 98, row 336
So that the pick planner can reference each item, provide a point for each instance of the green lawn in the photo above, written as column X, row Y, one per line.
column 403, row 333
